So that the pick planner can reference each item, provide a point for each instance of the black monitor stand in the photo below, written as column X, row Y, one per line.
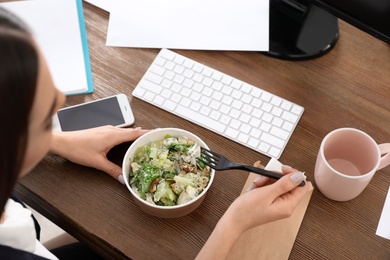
column 300, row 31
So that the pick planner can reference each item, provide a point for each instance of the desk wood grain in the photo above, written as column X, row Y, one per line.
column 348, row 87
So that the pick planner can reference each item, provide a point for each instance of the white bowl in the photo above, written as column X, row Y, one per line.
column 156, row 210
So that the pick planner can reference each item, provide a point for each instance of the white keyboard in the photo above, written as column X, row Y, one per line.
column 218, row 102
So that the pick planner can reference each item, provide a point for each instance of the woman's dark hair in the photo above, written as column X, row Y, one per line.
column 18, row 80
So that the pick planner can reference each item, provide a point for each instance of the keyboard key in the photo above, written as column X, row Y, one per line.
column 264, row 147
column 166, row 84
column 204, row 120
column 297, row 110
column 276, row 131
column 227, row 100
column 169, row 65
column 215, row 115
column 286, row 105
column 225, row 119
column 188, row 64
column 197, row 77
column 149, row 95
column 266, row 107
column 246, row 98
column 169, row 75
column 253, row 142
column 225, row 109
column 290, row 117
column 214, row 104
column 139, row 92
column 276, row 101
column 255, row 133
column 217, row 75
column 237, row 104
column 169, row 55
column 243, row 138
column 226, row 80
column 278, row 122
column 234, row 113
column 169, row 105
column 247, row 108
column 185, row 92
column 217, row 85
column 235, row 123
column 157, row 70
column 235, row 83
column 205, row 111
column 256, row 92
column 207, row 91
column 276, row 111
column 274, row 152
column 204, row 100
column 154, row 78
column 207, row 72
column 155, row 88
column 198, row 67
column 246, row 88
column 245, row 128
column 195, row 106
column 159, row 100
column 185, row 101
column 179, row 59
column 188, row 83
column 220, row 103
column 288, row 126
column 188, row 73
column 266, row 96
column 254, row 122
column 232, row 133
column 217, row 95
column 159, row 61
column 166, row 93
column 272, row 140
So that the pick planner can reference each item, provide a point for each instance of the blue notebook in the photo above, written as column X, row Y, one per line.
column 84, row 41
column 58, row 26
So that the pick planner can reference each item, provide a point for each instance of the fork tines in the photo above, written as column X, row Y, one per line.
column 208, row 157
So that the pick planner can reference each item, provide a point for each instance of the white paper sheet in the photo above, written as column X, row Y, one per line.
column 190, row 24
column 383, row 229
column 55, row 27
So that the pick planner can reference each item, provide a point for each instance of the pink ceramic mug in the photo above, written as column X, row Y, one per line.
column 347, row 160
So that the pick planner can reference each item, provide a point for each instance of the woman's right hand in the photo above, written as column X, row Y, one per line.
column 267, row 201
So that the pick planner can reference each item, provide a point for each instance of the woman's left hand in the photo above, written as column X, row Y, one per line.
column 90, row 147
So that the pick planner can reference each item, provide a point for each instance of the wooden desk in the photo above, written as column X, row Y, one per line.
column 349, row 87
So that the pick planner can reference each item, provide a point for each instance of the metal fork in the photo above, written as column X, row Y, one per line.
column 219, row 163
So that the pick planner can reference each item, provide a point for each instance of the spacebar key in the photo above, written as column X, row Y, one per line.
column 202, row 120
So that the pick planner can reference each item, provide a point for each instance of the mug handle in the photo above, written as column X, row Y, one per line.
column 384, row 150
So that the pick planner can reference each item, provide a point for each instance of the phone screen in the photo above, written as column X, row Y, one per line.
column 102, row 112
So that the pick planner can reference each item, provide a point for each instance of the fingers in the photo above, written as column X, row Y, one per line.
column 259, row 181
column 129, row 134
column 118, row 136
column 288, row 183
column 122, row 135
column 112, row 169
column 288, row 169
column 262, row 180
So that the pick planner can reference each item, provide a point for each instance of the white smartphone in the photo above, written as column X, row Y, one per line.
column 113, row 110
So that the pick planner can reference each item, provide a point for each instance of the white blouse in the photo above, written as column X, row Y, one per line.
column 18, row 231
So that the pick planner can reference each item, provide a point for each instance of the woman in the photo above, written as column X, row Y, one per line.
column 29, row 99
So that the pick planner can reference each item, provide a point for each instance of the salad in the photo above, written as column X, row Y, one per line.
column 167, row 173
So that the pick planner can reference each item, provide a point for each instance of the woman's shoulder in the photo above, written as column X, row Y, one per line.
column 7, row 252
column 36, row 224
